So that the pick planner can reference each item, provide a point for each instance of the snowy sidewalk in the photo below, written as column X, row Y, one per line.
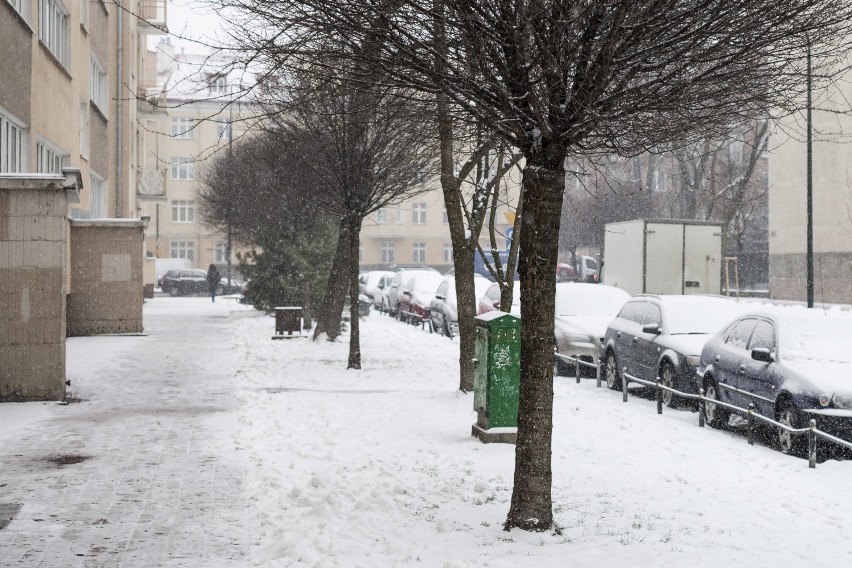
column 129, row 477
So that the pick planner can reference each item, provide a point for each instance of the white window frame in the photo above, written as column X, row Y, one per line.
column 183, row 211
column 50, row 159
column 22, row 7
column 418, row 252
column 183, row 127
column 97, row 196
column 382, row 216
column 182, row 249
column 218, row 85
column 448, row 253
column 223, row 130
column 400, row 215
column 13, row 144
column 53, row 29
column 183, row 169
column 219, row 250
column 418, row 213
column 445, row 219
column 98, row 84
column 387, row 251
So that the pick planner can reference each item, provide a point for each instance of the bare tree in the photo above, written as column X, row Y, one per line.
column 554, row 79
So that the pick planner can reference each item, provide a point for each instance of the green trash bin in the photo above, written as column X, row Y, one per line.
column 497, row 371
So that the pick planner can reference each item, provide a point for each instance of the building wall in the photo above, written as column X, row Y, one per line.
column 107, row 296
column 832, row 203
column 15, row 62
column 32, row 295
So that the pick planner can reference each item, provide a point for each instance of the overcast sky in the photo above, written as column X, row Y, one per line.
column 192, row 19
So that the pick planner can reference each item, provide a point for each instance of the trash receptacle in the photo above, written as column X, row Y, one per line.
column 497, row 370
column 288, row 320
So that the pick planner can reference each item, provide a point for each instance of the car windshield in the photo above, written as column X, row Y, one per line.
column 823, row 336
column 589, row 299
column 698, row 314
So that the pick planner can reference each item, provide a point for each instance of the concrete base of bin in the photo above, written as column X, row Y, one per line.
column 495, row 435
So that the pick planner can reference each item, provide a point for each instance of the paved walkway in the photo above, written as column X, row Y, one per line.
column 139, row 473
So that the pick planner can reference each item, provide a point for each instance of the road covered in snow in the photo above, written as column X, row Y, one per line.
column 206, row 443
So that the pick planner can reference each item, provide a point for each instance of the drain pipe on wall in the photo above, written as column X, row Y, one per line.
column 119, row 178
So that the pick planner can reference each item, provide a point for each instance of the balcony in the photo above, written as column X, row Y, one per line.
column 152, row 17
column 150, row 184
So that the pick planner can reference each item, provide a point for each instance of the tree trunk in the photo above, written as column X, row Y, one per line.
column 544, row 182
column 354, row 292
column 329, row 313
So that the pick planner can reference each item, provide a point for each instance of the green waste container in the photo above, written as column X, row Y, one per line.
column 497, row 371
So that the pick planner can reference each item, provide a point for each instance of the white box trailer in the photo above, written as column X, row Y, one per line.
column 663, row 256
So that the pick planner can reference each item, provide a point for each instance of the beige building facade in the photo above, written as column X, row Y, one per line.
column 194, row 117
column 832, row 202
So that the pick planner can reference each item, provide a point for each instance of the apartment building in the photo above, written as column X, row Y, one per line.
column 195, row 114
column 417, row 231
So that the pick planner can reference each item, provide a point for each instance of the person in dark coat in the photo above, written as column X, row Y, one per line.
column 213, row 278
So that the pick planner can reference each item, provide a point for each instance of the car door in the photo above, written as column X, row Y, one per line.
column 757, row 378
column 729, row 360
column 436, row 308
column 625, row 328
column 645, row 347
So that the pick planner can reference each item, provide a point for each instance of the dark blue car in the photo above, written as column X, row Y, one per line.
column 794, row 364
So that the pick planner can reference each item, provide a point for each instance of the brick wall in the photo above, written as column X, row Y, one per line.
column 106, row 272
column 33, row 231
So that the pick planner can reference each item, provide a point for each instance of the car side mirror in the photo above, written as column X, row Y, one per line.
column 439, row 297
column 406, row 292
column 653, row 328
column 762, row 354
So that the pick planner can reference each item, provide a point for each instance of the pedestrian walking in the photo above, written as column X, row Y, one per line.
column 213, row 280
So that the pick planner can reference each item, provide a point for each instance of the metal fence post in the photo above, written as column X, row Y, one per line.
column 598, row 373
column 659, row 397
column 812, row 444
column 577, row 369
column 702, row 408
column 624, row 384
column 751, row 424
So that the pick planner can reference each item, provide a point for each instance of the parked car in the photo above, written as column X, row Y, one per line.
column 565, row 272
column 417, row 294
column 184, row 282
column 662, row 336
column 373, row 284
column 583, row 312
column 490, row 301
column 394, row 291
column 234, row 288
column 443, row 310
column 792, row 363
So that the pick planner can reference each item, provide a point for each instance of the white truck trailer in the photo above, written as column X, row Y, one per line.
column 663, row 257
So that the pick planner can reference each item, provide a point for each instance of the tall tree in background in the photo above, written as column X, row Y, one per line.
column 554, row 79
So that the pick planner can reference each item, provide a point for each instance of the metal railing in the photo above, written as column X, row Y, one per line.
column 751, row 416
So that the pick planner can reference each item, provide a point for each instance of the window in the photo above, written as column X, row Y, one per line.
column 223, row 130
column 183, row 211
column 445, row 219
column 631, row 312
column 448, row 253
column 183, row 169
column 22, row 7
column 49, row 158
column 183, row 127
column 53, row 28
column 399, row 214
column 382, row 216
column 183, row 249
column 387, row 252
column 84, row 129
column 97, row 84
column 218, row 85
column 220, row 251
column 763, row 336
column 418, row 252
column 97, row 197
column 735, row 151
column 661, row 181
column 12, row 145
column 649, row 314
column 418, row 213
column 739, row 333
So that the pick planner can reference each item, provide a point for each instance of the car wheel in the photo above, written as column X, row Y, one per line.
column 716, row 415
column 173, row 291
column 613, row 379
column 448, row 331
column 668, row 378
column 789, row 443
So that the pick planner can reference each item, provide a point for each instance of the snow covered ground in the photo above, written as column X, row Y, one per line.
column 319, row 466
